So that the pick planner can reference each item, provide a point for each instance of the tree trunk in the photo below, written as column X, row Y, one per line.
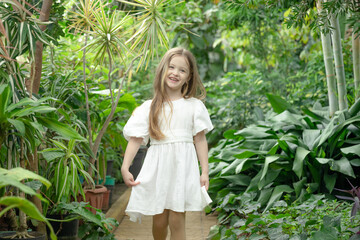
column 329, row 69
column 356, row 62
column 34, row 167
column 44, row 16
column 22, row 216
column 97, row 141
column 339, row 63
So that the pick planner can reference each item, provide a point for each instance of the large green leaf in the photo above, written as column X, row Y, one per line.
column 298, row 165
column 215, row 170
column 326, row 133
column 265, row 195
column 20, row 174
column 279, row 104
column 61, row 128
column 19, row 125
column 268, row 160
column 231, row 168
column 309, row 137
column 4, row 99
column 353, row 149
column 31, row 110
column 343, row 165
column 254, row 132
column 238, row 179
column 276, row 194
column 330, row 181
column 298, row 186
column 286, row 117
column 52, row 153
column 11, row 181
column 269, row 178
column 28, row 208
column 240, row 167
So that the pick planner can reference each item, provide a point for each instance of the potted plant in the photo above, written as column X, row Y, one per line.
column 21, row 128
column 64, row 169
column 13, row 178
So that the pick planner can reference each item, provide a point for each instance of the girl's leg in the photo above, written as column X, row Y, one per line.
column 160, row 225
column 177, row 225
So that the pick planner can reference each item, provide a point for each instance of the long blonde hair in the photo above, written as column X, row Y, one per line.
column 192, row 88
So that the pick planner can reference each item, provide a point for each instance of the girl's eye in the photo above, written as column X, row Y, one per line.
column 171, row 67
column 182, row 70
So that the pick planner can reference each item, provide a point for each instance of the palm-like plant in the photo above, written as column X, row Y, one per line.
column 150, row 28
column 21, row 31
column 109, row 41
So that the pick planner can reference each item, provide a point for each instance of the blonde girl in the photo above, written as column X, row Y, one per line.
column 176, row 121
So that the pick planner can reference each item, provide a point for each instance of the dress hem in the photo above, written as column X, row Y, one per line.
column 135, row 215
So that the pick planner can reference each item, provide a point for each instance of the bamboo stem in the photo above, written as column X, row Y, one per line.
column 339, row 63
column 329, row 69
column 356, row 62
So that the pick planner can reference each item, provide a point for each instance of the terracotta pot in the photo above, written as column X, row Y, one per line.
column 106, row 200
column 95, row 197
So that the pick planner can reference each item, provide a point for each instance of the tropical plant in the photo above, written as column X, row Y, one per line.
column 22, row 126
column 109, row 38
column 287, row 152
column 21, row 30
column 96, row 226
column 316, row 218
column 64, row 169
column 10, row 180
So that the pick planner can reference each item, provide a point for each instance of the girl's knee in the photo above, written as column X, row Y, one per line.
column 161, row 220
column 176, row 220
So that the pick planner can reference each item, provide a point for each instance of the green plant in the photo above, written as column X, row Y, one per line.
column 64, row 169
column 288, row 152
column 96, row 226
column 318, row 217
column 13, row 178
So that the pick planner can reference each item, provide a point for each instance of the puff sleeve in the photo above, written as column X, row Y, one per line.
column 138, row 123
column 202, row 120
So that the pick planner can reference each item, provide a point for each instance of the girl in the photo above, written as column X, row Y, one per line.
column 176, row 121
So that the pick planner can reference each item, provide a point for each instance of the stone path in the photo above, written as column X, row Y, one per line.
column 197, row 227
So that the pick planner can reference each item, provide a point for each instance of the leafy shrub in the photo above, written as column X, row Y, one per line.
column 288, row 152
column 234, row 101
column 316, row 218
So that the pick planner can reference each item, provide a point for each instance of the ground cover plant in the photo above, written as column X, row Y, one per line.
column 240, row 217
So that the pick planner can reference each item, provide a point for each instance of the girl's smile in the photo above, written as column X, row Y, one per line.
column 177, row 75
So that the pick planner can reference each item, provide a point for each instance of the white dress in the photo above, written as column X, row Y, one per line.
column 169, row 177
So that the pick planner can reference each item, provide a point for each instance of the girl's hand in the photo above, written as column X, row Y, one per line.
column 129, row 178
column 204, row 180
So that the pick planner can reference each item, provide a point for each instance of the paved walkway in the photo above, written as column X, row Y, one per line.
column 197, row 227
column 197, row 223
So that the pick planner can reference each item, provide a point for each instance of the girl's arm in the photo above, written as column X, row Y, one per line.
column 202, row 154
column 130, row 152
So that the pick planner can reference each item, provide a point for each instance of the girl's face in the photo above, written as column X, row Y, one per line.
column 177, row 75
